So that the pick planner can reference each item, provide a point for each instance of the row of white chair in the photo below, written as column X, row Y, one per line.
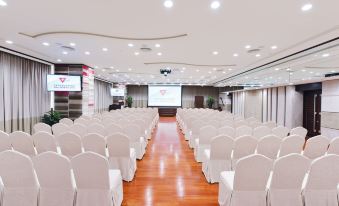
column 52, row 179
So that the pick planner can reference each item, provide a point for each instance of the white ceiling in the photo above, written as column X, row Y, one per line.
column 228, row 30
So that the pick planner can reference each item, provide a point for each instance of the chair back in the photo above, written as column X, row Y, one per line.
column 227, row 130
column 66, row 121
column 44, row 142
column 333, row 148
column 291, row 144
column 280, row 131
column 269, row 146
column 206, row 134
column 243, row 131
column 5, row 142
column 118, row 145
column 261, row 131
column 22, row 142
column 244, row 146
column 316, row 146
column 302, row 132
column 94, row 142
column 42, row 127
column 59, row 128
column 221, row 148
column 70, row 144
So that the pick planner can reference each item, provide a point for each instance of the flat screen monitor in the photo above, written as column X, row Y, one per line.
column 164, row 96
column 63, row 83
column 117, row 92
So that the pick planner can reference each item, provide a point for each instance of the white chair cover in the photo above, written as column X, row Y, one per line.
column 270, row 124
column 203, row 142
column 97, row 128
column 243, row 131
column 112, row 129
column 94, row 143
column 248, row 186
column 261, row 131
column 302, row 132
column 218, row 158
column 227, row 131
column 255, row 124
column 280, row 131
column 66, row 121
column 56, row 184
column 121, row 155
column 291, row 144
column 227, row 123
column 59, row 128
column 44, row 142
column 21, row 186
column 316, row 146
column 333, row 148
column 269, row 146
column 322, row 182
column 96, row 184
column 78, row 129
column 5, row 143
column 243, row 146
column 196, row 125
column 133, row 132
column 287, row 179
column 42, row 127
column 239, row 123
column 70, row 144
column 22, row 142
column 81, row 120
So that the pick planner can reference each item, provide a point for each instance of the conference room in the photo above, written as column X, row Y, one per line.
column 169, row 103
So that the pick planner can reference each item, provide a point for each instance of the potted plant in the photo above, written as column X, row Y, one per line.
column 129, row 101
column 210, row 102
column 51, row 117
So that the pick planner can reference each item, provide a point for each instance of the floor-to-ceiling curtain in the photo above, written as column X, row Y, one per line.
column 102, row 95
column 23, row 92
column 189, row 93
column 139, row 95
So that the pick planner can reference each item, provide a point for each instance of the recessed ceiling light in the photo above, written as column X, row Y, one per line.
column 224, row 72
column 277, row 69
column 209, row 72
column 58, row 60
column 182, row 71
column 183, row 68
column 3, row 3
column 9, row 42
column 136, row 53
column 131, row 45
column 168, row 4
column 214, row 69
column 117, row 70
column 333, row 71
column 288, row 69
column 311, row 72
column 235, row 55
column 159, row 53
column 306, row 7
column 326, row 55
column 129, row 69
column 104, row 49
column 103, row 70
column 96, row 67
column 258, row 55
column 111, row 67
column 157, row 45
column 65, row 52
column 215, row 53
column 247, row 46
column 197, row 70
column 304, row 70
column 45, row 43
column 215, row 4
column 87, row 53
column 230, row 69
column 72, row 44
column 274, row 47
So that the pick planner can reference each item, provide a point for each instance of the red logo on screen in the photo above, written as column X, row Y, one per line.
column 62, row 79
column 163, row 92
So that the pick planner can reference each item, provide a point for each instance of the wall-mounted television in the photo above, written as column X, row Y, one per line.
column 63, row 83
column 117, row 92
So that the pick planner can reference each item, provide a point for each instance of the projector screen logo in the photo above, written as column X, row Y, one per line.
column 163, row 92
column 62, row 79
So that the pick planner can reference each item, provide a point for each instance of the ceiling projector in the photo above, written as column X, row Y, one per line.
column 165, row 72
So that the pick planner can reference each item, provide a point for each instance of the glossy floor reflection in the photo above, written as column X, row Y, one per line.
column 168, row 173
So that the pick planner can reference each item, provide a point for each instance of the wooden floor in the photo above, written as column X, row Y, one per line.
column 168, row 173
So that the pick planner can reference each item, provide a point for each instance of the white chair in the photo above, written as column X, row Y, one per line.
column 196, row 125
column 218, row 158
column 270, row 124
column 112, row 129
column 269, row 146
column 287, row 179
column 243, row 131
column 78, row 129
column 70, row 144
column 94, row 143
column 316, row 147
column 59, row 128
column 55, row 179
column 42, row 127
column 321, row 186
column 97, row 128
column 22, row 142
column 133, row 132
column 96, row 184
column 261, row 131
column 20, row 185
column 302, row 132
column 255, row 124
column 203, row 142
column 333, row 148
column 240, row 123
column 66, row 121
column 5, row 142
column 280, row 131
column 243, row 146
column 291, row 144
column 227, row 123
column 121, row 155
column 252, row 119
column 227, row 131
column 248, row 184
column 82, row 121
column 44, row 142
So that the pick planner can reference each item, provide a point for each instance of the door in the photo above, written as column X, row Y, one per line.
column 312, row 112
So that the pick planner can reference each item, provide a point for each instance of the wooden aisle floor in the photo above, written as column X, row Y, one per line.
column 168, row 175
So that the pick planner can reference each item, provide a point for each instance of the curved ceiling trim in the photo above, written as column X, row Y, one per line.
column 190, row 64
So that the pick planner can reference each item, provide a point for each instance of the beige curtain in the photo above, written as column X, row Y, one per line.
column 139, row 95
column 102, row 95
column 23, row 92
column 189, row 93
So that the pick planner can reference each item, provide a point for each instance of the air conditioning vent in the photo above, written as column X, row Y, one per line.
column 251, row 51
column 67, row 48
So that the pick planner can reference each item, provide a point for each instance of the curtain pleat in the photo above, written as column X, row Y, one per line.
column 23, row 97
column 102, row 95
